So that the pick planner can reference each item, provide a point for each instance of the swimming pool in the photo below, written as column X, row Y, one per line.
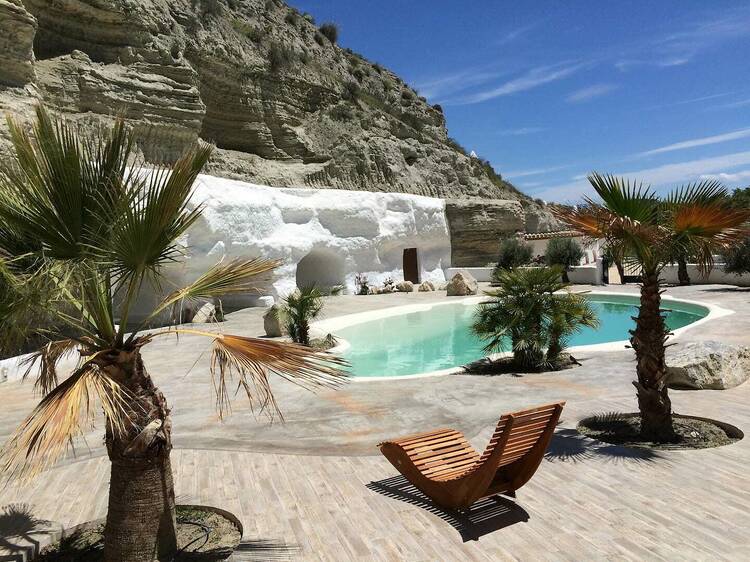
column 438, row 337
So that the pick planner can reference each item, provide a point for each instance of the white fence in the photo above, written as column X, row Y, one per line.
column 717, row 276
column 590, row 274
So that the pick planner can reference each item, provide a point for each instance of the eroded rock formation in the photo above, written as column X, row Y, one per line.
column 283, row 104
column 17, row 29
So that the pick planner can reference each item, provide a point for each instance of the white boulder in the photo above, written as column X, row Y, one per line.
column 426, row 286
column 405, row 287
column 709, row 365
column 462, row 284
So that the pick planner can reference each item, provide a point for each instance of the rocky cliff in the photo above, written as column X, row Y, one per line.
column 284, row 104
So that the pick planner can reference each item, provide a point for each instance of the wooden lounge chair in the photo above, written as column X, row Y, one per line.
column 446, row 468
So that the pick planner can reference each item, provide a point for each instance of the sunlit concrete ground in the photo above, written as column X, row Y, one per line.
column 316, row 488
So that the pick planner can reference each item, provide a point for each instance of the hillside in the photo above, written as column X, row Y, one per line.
column 283, row 103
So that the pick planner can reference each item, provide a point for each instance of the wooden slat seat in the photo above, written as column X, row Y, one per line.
column 446, row 467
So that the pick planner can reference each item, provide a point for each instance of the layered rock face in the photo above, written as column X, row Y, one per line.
column 477, row 226
column 17, row 29
column 284, row 105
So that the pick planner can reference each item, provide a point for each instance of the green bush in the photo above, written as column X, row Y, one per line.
column 737, row 258
column 342, row 112
column 299, row 308
column 279, row 57
column 514, row 252
column 292, row 18
column 330, row 31
column 319, row 39
column 565, row 252
column 351, row 91
column 527, row 311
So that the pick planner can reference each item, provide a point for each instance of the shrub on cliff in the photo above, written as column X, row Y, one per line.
column 280, row 57
column 330, row 31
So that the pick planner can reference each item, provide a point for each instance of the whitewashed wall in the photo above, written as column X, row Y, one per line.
column 717, row 276
column 323, row 235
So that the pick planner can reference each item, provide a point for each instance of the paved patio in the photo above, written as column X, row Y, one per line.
column 315, row 487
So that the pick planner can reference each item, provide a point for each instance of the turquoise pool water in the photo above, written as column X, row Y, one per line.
column 441, row 338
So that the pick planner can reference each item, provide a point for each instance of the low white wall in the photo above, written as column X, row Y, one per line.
column 587, row 274
column 582, row 274
column 717, row 276
column 479, row 273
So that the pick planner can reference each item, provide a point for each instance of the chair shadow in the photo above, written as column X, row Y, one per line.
column 262, row 550
column 20, row 533
column 567, row 445
column 483, row 517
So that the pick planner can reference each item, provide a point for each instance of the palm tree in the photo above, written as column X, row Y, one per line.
column 693, row 220
column 568, row 313
column 300, row 307
column 80, row 219
column 528, row 310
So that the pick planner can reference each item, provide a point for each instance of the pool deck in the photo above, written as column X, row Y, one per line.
column 316, row 488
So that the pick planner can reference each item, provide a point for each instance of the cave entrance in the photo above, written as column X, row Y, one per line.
column 411, row 265
column 322, row 268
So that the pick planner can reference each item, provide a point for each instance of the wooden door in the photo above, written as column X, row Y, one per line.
column 411, row 265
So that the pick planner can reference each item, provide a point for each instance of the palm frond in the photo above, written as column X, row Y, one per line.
column 631, row 200
column 48, row 357
column 703, row 192
column 145, row 236
column 64, row 414
column 233, row 277
column 253, row 359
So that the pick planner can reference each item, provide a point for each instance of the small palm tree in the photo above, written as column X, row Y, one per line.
column 300, row 307
column 80, row 221
column 528, row 310
column 648, row 231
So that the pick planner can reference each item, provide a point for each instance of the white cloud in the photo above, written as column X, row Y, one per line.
column 456, row 82
column 534, row 172
column 515, row 34
column 715, row 139
column 590, row 92
column 532, row 78
column 521, row 131
column 742, row 176
column 741, row 103
column 659, row 176
column 680, row 47
column 688, row 101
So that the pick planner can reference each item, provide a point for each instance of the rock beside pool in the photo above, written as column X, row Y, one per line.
column 462, row 284
column 426, row 286
column 206, row 313
column 272, row 322
column 405, row 287
column 708, row 365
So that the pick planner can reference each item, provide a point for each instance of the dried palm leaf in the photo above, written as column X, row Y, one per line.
column 48, row 357
column 65, row 413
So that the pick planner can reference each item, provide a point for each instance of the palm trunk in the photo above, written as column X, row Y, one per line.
column 554, row 349
column 648, row 340
column 682, row 271
column 140, row 523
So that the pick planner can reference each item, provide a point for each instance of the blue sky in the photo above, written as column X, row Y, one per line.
column 549, row 91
